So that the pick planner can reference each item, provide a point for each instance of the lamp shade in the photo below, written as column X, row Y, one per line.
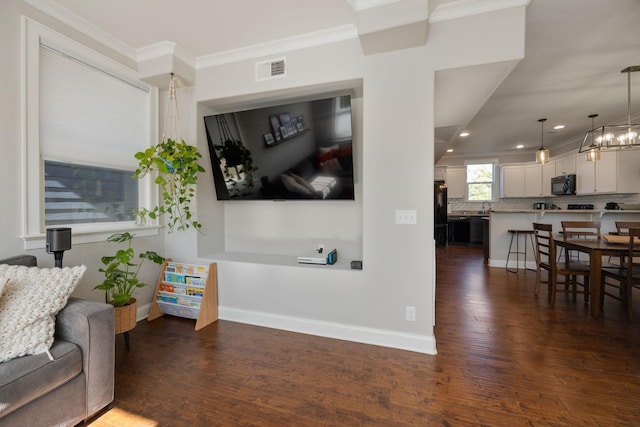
column 58, row 239
column 542, row 155
column 593, row 155
column 593, row 151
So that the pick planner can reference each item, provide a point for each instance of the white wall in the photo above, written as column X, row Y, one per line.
column 393, row 148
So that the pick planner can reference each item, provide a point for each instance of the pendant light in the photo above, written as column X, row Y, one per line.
column 542, row 155
column 593, row 153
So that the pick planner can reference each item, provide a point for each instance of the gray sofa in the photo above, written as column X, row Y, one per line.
column 35, row 391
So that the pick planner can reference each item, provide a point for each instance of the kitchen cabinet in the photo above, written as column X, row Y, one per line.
column 628, row 167
column 456, row 182
column 512, row 181
column 533, row 180
column 614, row 172
column 475, row 230
column 440, row 173
column 459, row 230
column 537, row 179
column 548, row 171
column 598, row 177
column 486, row 245
column 565, row 165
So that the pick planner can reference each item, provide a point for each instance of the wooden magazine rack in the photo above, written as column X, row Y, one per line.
column 186, row 290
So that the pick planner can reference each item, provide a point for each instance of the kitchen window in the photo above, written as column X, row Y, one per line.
column 481, row 184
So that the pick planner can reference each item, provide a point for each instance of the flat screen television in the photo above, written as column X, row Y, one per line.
column 290, row 151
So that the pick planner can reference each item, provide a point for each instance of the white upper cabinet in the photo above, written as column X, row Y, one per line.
column 533, row 180
column 586, row 178
column 537, row 179
column 549, row 170
column 565, row 166
column 440, row 173
column 512, row 181
column 614, row 172
column 456, row 182
column 628, row 171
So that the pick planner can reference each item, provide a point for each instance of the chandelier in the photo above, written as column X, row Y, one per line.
column 614, row 137
column 542, row 155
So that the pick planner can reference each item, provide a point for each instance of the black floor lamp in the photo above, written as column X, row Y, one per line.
column 58, row 241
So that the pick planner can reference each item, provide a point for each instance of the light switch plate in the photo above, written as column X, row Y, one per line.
column 405, row 216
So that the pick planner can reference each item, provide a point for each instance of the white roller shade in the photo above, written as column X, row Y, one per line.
column 88, row 116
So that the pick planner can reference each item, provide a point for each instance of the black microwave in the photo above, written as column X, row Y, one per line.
column 563, row 185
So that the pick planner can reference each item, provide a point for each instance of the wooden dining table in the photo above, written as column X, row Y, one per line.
column 596, row 249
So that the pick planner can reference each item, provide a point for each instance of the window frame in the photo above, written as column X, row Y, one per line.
column 494, row 182
column 32, row 183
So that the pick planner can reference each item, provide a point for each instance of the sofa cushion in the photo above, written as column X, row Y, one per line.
column 29, row 304
column 27, row 378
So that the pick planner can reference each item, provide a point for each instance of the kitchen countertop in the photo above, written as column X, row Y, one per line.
column 468, row 213
column 466, row 216
column 600, row 211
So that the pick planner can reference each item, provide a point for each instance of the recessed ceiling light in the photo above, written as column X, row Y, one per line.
column 559, row 127
column 450, row 150
column 520, row 146
column 463, row 134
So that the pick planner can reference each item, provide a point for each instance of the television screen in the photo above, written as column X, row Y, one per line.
column 293, row 151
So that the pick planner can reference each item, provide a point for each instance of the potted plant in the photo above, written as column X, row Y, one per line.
column 177, row 168
column 121, row 279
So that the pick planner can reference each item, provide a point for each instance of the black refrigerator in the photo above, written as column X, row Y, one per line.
column 440, row 212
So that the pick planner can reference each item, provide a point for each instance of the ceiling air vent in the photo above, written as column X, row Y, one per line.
column 271, row 69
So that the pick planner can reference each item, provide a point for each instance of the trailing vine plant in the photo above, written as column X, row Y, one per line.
column 176, row 166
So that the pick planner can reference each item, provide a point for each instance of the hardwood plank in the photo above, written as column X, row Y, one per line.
column 504, row 358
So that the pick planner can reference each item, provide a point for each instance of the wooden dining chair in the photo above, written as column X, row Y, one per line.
column 579, row 230
column 547, row 260
column 622, row 227
column 626, row 276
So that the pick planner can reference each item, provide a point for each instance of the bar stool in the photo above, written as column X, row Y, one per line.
column 516, row 234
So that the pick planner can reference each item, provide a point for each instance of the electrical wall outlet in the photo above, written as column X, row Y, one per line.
column 405, row 216
column 411, row 314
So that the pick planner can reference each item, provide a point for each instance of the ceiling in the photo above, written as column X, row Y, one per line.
column 574, row 52
column 205, row 27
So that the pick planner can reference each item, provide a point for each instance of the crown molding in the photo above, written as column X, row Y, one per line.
column 82, row 25
column 304, row 41
column 463, row 8
column 164, row 48
column 443, row 12
column 360, row 5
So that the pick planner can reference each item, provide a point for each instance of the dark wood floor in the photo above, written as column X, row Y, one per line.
column 505, row 358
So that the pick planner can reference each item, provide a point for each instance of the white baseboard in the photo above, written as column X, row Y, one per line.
column 142, row 312
column 384, row 338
